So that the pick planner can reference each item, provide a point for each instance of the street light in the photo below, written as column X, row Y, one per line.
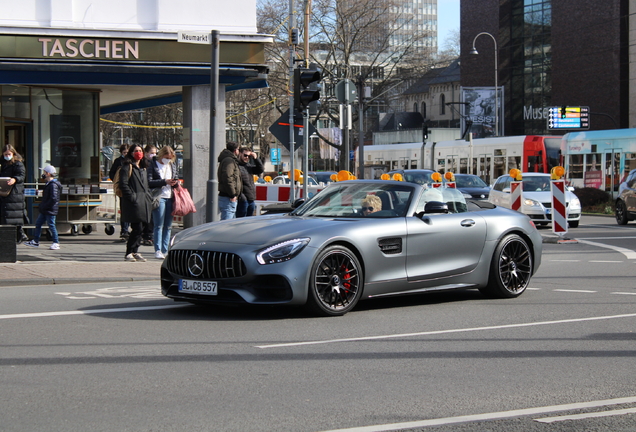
column 474, row 51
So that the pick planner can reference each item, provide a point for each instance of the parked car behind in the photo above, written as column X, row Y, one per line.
column 536, row 200
column 626, row 201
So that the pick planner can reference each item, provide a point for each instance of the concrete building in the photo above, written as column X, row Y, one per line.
column 65, row 62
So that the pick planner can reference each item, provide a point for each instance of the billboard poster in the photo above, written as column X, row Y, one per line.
column 65, row 139
column 479, row 111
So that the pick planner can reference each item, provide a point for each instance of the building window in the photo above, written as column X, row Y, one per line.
column 415, row 107
column 424, row 110
column 442, row 104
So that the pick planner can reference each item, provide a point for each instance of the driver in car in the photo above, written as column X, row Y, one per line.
column 371, row 204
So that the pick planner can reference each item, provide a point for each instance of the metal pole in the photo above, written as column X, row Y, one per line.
column 292, row 144
column 474, row 51
column 361, row 128
column 212, row 202
column 305, row 152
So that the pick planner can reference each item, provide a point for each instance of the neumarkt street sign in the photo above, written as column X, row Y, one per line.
column 280, row 129
column 194, row 37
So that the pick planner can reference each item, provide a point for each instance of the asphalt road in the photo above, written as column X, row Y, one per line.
column 119, row 357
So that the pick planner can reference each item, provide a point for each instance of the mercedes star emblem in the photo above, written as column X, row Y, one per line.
column 195, row 264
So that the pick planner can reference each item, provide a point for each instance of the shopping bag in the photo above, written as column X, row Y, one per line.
column 183, row 203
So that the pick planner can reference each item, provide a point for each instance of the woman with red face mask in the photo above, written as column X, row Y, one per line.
column 136, row 202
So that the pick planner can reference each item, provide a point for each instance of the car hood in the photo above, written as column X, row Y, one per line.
column 260, row 230
column 475, row 190
column 546, row 197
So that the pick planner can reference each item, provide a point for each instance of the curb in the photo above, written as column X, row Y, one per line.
column 67, row 281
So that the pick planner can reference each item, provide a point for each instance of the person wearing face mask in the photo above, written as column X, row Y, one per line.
column 12, row 206
column 48, row 208
column 136, row 203
column 123, row 150
column 150, row 152
column 162, row 174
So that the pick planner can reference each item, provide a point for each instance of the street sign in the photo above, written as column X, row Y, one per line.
column 346, row 91
column 194, row 37
column 274, row 156
column 280, row 130
column 566, row 117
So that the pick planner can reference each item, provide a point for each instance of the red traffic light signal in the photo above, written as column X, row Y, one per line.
column 303, row 94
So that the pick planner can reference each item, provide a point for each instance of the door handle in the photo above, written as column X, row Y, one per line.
column 467, row 223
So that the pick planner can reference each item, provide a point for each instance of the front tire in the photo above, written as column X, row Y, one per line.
column 336, row 282
column 621, row 213
column 510, row 269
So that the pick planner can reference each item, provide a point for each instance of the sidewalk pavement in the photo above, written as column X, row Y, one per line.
column 85, row 258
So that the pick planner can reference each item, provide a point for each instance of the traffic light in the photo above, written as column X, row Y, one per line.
column 304, row 91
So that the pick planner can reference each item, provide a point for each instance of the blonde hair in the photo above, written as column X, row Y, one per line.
column 372, row 201
column 166, row 152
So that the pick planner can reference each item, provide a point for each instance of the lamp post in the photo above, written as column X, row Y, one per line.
column 474, row 51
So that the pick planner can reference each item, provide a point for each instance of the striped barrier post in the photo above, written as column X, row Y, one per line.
column 515, row 194
column 559, row 211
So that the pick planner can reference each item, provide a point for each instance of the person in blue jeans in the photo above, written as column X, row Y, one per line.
column 162, row 174
column 48, row 208
column 230, row 184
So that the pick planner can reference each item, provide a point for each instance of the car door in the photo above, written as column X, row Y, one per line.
column 630, row 193
column 443, row 245
column 500, row 193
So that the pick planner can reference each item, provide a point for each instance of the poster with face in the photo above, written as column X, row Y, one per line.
column 479, row 111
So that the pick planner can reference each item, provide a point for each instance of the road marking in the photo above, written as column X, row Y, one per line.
column 629, row 254
column 438, row 332
column 599, row 261
column 624, row 293
column 89, row 312
column 587, row 415
column 487, row 416
column 574, row 291
column 564, row 260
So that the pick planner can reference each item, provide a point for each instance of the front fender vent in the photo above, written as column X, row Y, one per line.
column 391, row 246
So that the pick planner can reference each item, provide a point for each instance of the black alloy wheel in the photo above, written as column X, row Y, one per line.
column 511, row 268
column 336, row 282
column 621, row 213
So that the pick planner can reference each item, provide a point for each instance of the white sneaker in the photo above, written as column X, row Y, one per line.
column 32, row 243
column 130, row 258
column 55, row 246
column 138, row 257
column 159, row 255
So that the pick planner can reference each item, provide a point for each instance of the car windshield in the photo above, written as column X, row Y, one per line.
column 470, row 182
column 420, row 178
column 358, row 199
column 536, row 183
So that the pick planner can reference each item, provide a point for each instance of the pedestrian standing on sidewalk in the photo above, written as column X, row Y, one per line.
column 123, row 150
column 48, row 208
column 150, row 152
column 162, row 173
column 12, row 206
column 250, row 166
column 230, row 185
column 136, row 203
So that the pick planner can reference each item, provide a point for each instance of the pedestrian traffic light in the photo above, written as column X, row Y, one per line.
column 304, row 92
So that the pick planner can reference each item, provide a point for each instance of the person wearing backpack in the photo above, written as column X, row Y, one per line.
column 48, row 208
column 136, row 201
column 123, row 150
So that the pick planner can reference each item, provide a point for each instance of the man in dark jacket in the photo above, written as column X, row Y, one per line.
column 230, row 184
column 250, row 165
column 123, row 150
column 48, row 208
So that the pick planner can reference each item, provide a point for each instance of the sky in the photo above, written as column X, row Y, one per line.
column 447, row 19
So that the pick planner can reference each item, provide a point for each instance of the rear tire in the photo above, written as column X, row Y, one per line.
column 336, row 282
column 510, row 269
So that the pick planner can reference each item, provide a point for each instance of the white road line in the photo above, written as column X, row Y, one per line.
column 438, row 332
column 587, row 415
column 599, row 261
column 624, row 293
column 574, row 291
column 564, row 260
column 88, row 312
column 487, row 416
column 629, row 254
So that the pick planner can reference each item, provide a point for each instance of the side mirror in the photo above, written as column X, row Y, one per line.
column 506, row 190
column 435, row 207
column 298, row 203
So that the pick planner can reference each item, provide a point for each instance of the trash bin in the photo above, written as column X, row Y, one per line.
column 8, row 245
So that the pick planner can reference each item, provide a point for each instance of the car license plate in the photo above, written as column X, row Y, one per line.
column 197, row 287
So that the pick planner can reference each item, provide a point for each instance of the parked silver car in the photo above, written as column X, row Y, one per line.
column 626, row 201
column 355, row 240
column 536, row 199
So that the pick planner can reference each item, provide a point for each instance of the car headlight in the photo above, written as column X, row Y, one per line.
column 282, row 251
column 531, row 203
column 575, row 202
column 466, row 195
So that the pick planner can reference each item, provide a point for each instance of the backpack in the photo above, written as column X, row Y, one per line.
column 116, row 187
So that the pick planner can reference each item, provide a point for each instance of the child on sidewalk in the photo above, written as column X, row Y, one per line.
column 48, row 208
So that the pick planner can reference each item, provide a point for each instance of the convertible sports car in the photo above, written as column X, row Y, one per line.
column 355, row 240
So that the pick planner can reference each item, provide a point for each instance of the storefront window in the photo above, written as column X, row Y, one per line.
column 65, row 133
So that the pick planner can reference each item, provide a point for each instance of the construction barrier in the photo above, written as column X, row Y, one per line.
column 559, row 211
column 515, row 195
column 272, row 194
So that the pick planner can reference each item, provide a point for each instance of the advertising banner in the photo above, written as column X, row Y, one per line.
column 479, row 111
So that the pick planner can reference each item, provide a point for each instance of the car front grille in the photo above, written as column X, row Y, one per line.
column 549, row 204
column 216, row 265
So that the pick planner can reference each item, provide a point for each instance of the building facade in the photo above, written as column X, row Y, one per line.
column 551, row 53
